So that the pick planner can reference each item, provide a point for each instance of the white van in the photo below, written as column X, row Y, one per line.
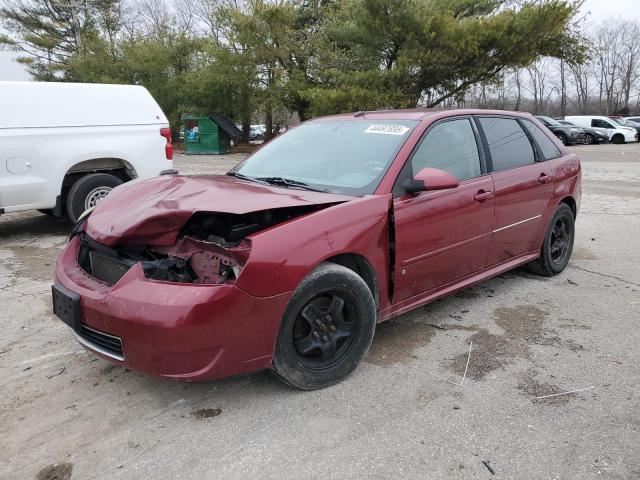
column 64, row 146
column 617, row 133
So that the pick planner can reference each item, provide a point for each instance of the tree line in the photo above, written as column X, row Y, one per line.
column 606, row 82
column 279, row 59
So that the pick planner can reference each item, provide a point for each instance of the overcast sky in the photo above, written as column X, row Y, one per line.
column 597, row 10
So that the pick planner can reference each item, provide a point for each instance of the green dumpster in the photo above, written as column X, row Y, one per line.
column 210, row 134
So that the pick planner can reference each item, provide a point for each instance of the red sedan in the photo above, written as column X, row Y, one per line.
column 290, row 259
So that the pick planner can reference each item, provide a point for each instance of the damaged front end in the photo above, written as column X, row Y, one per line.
column 212, row 248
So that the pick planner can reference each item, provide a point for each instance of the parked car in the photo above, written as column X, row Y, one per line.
column 64, row 146
column 566, row 134
column 257, row 132
column 591, row 135
column 617, row 133
column 625, row 122
column 290, row 259
column 633, row 119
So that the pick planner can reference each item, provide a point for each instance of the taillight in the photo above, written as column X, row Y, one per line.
column 168, row 149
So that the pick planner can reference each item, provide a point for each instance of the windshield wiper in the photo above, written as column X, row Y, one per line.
column 239, row 175
column 287, row 182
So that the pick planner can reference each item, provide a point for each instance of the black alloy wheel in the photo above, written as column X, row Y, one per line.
column 557, row 244
column 323, row 331
column 560, row 240
column 326, row 329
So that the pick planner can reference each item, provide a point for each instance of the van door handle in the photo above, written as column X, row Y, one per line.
column 481, row 196
column 544, row 178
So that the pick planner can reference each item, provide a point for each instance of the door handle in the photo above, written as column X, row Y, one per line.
column 481, row 196
column 544, row 178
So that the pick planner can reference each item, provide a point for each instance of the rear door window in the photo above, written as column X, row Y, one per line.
column 508, row 143
column 547, row 147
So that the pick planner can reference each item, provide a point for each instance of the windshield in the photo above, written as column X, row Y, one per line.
column 339, row 156
column 550, row 121
column 615, row 120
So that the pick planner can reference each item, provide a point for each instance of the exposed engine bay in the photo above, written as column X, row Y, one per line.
column 211, row 248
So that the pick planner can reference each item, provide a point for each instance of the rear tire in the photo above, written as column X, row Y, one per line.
column 617, row 139
column 557, row 244
column 587, row 139
column 326, row 329
column 88, row 191
column 562, row 137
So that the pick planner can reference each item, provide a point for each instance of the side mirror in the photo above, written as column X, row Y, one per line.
column 429, row 179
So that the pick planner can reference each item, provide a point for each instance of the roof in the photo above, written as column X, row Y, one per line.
column 417, row 114
column 62, row 104
column 226, row 125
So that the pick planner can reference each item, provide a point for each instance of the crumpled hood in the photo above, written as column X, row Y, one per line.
column 152, row 212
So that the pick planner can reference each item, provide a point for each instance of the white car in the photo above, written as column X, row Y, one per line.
column 64, row 146
column 617, row 133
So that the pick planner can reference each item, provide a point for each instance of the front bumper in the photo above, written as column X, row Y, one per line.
column 181, row 331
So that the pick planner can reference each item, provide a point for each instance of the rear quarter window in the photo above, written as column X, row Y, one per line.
column 508, row 143
column 547, row 147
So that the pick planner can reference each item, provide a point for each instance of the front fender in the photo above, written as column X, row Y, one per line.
column 282, row 256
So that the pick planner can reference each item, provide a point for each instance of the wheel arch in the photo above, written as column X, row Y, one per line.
column 102, row 165
column 562, row 137
column 118, row 167
column 76, row 168
column 618, row 137
column 570, row 201
column 362, row 267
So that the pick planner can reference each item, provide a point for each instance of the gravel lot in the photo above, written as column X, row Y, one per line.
column 64, row 413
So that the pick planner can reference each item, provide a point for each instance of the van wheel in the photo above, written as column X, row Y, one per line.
column 557, row 244
column 326, row 328
column 88, row 192
column 618, row 139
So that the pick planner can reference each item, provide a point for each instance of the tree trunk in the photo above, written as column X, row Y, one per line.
column 268, row 121
column 245, row 115
column 519, row 89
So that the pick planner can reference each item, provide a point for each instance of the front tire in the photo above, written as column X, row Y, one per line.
column 617, row 139
column 557, row 244
column 88, row 191
column 326, row 328
column 587, row 139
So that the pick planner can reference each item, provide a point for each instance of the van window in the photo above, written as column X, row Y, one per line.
column 450, row 146
column 509, row 145
column 547, row 147
column 599, row 123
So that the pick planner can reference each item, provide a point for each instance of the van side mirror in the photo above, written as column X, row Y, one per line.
column 429, row 179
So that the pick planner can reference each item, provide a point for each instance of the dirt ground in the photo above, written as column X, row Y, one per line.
column 66, row 414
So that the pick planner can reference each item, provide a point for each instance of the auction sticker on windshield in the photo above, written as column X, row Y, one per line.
column 387, row 129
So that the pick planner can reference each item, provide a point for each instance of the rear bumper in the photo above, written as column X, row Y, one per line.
column 181, row 331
